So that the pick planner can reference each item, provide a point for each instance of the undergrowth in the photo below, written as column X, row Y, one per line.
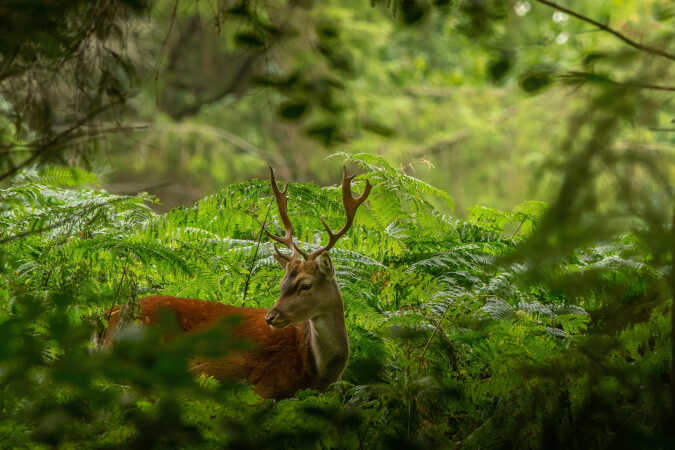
column 453, row 342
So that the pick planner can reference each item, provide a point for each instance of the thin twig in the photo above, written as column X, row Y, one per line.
column 583, row 77
column 56, row 140
column 243, row 144
column 255, row 255
column 624, row 38
column 163, row 47
column 244, row 69
column 436, row 329
column 653, row 87
column 89, row 134
column 672, row 321
column 520, row 225
column 119, row 287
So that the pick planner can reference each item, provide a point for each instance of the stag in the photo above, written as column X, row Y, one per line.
column 301, row 342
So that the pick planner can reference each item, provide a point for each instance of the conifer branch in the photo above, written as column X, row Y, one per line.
column 622, row 37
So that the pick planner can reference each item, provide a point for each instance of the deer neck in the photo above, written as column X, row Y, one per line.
column 329, row 343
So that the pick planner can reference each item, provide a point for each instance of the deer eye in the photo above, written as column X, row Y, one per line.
column 305, row 286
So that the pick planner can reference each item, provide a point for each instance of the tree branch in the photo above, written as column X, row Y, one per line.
column 41, row 147
column 240, row 76
column 624, row 38
column 653, row 87
column 583, row 77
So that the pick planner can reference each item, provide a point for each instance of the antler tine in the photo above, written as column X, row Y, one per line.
column 278, row 252
column 282, row 205
column 351, row 204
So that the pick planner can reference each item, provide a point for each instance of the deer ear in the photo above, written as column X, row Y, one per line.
column 326, row 266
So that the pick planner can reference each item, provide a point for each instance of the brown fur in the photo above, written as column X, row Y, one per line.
column 278, row 366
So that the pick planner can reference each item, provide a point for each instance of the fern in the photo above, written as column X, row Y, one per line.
column 442, row 319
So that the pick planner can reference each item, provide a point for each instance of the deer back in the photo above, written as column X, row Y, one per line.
column 278, row 364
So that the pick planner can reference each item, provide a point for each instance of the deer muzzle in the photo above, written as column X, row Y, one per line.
column 275, row 319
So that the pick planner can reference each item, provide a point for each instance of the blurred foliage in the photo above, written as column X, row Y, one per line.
column 539, row 325
column 192, row 95
column 447, row 98
column 65, row 75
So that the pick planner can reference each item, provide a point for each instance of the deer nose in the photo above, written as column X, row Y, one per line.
column 271, row 315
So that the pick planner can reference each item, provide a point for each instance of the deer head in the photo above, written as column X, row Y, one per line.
column 308, row 288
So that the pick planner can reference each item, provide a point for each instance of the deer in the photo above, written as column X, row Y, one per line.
column 299, row 343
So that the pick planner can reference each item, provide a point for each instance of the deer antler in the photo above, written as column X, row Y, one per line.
column 351, row 204
column 282, row 204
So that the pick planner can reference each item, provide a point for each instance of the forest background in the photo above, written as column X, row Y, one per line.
column 510, row 284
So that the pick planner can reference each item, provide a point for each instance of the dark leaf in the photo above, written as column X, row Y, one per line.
column 249, row 40
column 593, row 57
column 293, row 110
column 413, row 11
column 499, row 68
column 327, row 133
column 240, row 10
column 535, row 80
column 377, row 128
